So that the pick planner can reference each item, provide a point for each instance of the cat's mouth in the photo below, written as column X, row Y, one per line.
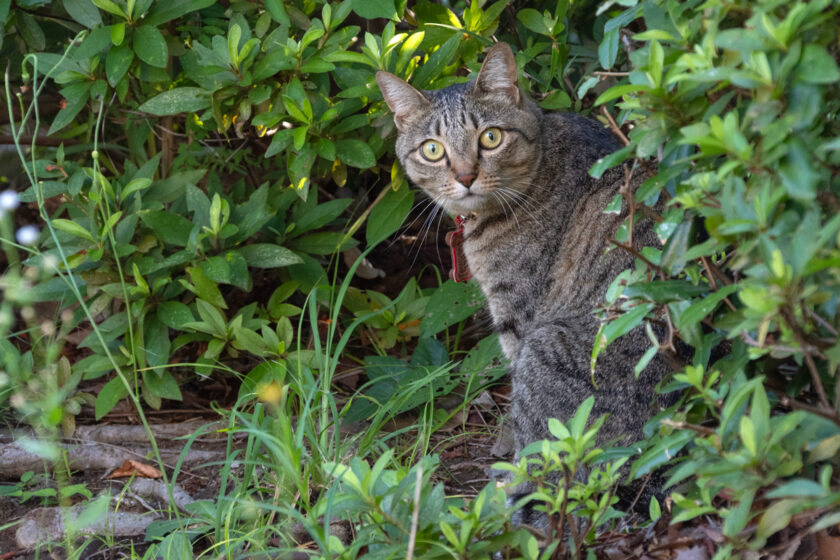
column 463, row 200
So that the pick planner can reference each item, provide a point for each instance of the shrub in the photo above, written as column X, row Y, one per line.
column 734, row 104
column 198, row 178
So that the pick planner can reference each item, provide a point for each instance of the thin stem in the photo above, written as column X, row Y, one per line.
column 639, row 256
column 614, row 126
column 415, row 514
column 792, row 403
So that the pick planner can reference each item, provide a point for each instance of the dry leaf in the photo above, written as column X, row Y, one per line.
column 365, row 269
column 134, row 468
column 828, row 547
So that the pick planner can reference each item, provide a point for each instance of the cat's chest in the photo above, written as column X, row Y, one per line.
column 513, row 269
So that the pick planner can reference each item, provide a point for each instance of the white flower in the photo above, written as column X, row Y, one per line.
column 28, row 235
column 9, row 200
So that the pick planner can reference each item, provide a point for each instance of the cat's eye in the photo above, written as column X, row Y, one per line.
column 432, row 150
column 490, row 138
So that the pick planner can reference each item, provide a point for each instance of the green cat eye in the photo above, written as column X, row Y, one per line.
column 490, row 138
column 432, row 150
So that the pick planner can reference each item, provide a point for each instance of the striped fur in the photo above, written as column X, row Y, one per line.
column 535, row 240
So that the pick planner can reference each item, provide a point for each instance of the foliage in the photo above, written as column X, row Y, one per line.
column 735, row 103
column 574, row 483
column 197, row 167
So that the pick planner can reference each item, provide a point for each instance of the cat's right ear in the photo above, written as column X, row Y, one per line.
column 404, row 101
column 498, row 75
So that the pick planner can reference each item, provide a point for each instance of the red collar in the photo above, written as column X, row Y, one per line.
column 455, row 239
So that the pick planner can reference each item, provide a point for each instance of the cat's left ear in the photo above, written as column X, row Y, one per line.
column 498, row 76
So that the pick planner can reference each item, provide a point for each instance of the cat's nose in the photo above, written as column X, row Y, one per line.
column 465, row 179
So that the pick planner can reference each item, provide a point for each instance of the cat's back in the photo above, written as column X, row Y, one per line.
column 572, row 143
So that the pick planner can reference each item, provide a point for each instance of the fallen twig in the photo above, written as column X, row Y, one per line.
column 48, row 525
column 157, row 489
column 15, row 460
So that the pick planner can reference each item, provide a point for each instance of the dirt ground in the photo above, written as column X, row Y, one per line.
column 465, row 446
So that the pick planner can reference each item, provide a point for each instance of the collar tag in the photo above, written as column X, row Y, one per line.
column 455, row 239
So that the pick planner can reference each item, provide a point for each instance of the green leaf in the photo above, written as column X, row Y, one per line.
column 272, row 63
column 117, row 33
column 797, row 172
column 135, row 185
column 663, row 451
column 437, row 61
column 747, row 433
column 355, row 153
column 798, row 487
column 108, row 397
column 618, row 327
column 83, row 11
column 31, row 32
column 239, row 275
column 578, row 422
column 557, row 99
column 48, row 188
column 429, row 353
column 740, row 515
column 162, row 384
column 673, row 254
column 608, row 49
column 205, row 288
column 323, row 243
column 212, row 317
column 77, row 97
column 654, row 510
column 698, row 310
column 316, row 65
column 387, row 216
column 162, row 12
column 655, row 63
column 610, row 161
column 250, row 341
column 150, row 46
column 533, row 20
column 268, row 255
column 111, row 329
column 321, row 215
column 277, row 11
column 617, row 91
column 825, row 449
column 157, row 345
column 110, row 7
column 663, row 291
column 280, row 294
column 174, row 314
column 177, row 100
column 169, row 228
column 117, row 62
column 54, row 289
column 72, row 228
column 775, row 518
column 371, row 9
column 234, row 35
column 486, row 357
column 450, row 304
column 644, row 361
column 627, row 322
column 816, row 66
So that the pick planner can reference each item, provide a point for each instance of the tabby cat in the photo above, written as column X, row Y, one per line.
column 535, row 238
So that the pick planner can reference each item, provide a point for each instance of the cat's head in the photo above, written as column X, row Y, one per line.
column 472, row 147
